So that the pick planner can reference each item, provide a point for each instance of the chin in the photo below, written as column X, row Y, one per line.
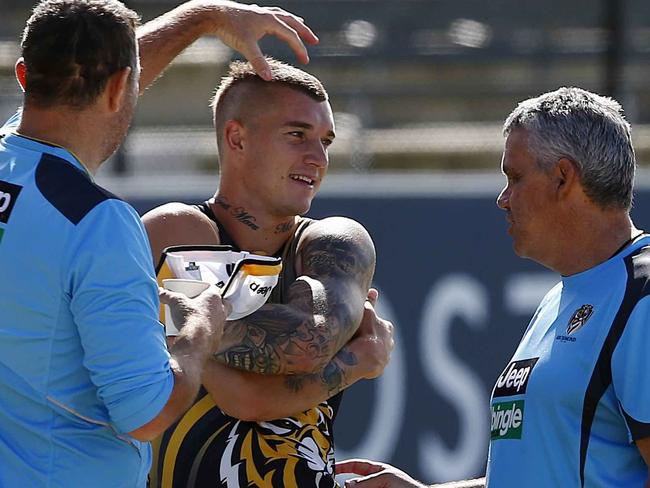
column 518, row 249
column 302, row 208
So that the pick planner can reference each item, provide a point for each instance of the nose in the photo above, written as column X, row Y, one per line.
column 317, row 155
column 503, row 200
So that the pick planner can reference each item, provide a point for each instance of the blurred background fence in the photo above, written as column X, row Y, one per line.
column 419, row 89
column 415, row 84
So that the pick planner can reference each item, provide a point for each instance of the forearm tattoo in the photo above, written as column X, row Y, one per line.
column 333, row 377
column 316, row 322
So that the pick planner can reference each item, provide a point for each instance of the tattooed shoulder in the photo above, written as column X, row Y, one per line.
column 337, row 246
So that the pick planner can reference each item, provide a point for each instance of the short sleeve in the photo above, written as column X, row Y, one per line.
column 631, row 371
column 114, row 302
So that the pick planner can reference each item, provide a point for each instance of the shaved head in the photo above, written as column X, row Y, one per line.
column 242, row 94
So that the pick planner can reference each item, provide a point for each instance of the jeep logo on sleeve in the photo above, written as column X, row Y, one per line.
column 514, row 380
column 8, row 195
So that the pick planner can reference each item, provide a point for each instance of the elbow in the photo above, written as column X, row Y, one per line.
column 245, row 411
column 245, row 414
column 145, row 434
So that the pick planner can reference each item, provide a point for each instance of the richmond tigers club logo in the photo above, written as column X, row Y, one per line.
column 291, row 452
column 579, row 318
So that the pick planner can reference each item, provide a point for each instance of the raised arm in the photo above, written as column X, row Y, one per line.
column 237, row 25
column 335, row 264
column 255, row 397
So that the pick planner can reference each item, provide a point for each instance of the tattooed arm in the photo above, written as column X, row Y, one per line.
column 335, row 264
column 251, row 396
column 256, row 397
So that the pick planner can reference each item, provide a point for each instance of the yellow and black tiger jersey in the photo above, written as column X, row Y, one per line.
column 209, row 449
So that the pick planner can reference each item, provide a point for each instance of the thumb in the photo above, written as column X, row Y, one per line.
column 372, row 297
column 169, row 297
column 227, row 307
column 371, row 481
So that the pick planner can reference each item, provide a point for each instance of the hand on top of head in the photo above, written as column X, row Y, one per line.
column 207, row 310
column 247, row 24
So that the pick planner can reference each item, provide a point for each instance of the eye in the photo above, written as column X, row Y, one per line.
column 327, row 142
column 297, row 134
column 512, row 178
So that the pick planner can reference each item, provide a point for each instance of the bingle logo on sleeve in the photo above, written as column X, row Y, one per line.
column 8, row 195
column 514, row 380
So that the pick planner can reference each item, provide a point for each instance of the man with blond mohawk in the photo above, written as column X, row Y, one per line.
column 265, row 415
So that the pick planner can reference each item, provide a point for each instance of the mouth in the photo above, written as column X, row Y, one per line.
column 306, row 180
column 510, row 223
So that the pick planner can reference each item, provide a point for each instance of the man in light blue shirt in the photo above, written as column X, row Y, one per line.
column 572, row 407
column 85, row 377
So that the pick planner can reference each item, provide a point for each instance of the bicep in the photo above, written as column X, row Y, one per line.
column 338, row 256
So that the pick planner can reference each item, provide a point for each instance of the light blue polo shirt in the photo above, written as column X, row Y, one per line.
column 82, row 355
column 568, row 408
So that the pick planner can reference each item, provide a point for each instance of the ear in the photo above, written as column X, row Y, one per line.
column 566, row 176
column 20, row 70
column 117, row 88
column 233, row 135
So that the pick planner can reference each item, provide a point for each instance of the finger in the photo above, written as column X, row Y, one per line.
column 302, row 29
column 282, row 31
column 258, row 61
column 359, row 466
column 376, row 480
column 281, row 11
column 169, row 297
column 373, row 295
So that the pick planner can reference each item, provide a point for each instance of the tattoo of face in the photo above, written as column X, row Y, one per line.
column 333, row 374
column 332, row 377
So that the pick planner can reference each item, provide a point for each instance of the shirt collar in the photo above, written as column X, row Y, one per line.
column 31, row 144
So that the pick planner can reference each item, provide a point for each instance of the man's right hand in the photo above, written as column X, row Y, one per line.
column 200, row 321
column 242, row 26
column 238, row 25
column 373, row 342
column 206, row 311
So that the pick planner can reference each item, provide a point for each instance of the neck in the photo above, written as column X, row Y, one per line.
column 70, row 129
column 252, row 228
column 591, row 242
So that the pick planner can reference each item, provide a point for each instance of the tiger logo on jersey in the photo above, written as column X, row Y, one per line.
column 291, row 452
column 579, row 318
